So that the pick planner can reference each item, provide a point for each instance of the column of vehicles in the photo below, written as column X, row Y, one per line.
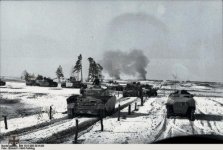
column 95, row 99
column 100, row 100
column 48, row 82
column 44, row 82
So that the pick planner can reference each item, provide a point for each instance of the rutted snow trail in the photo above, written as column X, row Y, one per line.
column 149, row 124
column 145, row 125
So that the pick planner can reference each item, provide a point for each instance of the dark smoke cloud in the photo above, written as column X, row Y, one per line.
column 132, row 63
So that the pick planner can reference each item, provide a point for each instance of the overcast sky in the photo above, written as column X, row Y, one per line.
column 178, row 37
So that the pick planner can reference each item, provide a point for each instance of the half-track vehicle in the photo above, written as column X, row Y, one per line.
column 46, row 82
column 181, row 103
column 73, row 83
column 31, row 82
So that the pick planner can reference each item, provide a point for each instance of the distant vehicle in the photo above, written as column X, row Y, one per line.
column 131, row 90
column 75, row 84
column 112, row 85
column 148, row 90
column 72, row 83
column 46, row 82
column 2, row 83
column 31, row 82
column 93, row 101
column 181, row 103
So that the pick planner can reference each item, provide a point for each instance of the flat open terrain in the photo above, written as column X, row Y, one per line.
column 27, row 108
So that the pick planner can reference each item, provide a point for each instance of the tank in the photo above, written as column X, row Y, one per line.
column 2, row 83
column 93, row 101
column 181, row 103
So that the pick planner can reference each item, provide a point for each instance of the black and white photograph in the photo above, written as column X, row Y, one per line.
column 110, row 72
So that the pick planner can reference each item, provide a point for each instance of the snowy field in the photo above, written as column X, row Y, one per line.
column 19, row 100
column 149, row 123
column 27, row 108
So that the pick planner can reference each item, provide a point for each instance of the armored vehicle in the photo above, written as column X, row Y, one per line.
column 131, row 90
column 148, row 90
column 31, row 82
column 181, row 103
column 93, row 101
column 73, row 83
column 114, row 86
column 46, row 82
column 2, row 83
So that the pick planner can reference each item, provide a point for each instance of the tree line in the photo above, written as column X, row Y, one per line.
column 94, row 71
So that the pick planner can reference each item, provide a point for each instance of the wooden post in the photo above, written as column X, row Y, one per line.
column 76, row 132
column 119, row 112
column 129, row 112
column 50, row 112
column 135, row 105
column 141, row 100
column 5, row 121
column 102, row 126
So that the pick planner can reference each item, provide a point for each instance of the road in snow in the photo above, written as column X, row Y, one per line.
column 146, row 125
column 149, row 123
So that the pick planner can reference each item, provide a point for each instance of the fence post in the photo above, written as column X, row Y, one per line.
column 50, row 112
column 5, row 121
column 141, row 100
column 76, row 132
column 119, row 112
column 135, row 105
column 102, row 126
column 129, row 112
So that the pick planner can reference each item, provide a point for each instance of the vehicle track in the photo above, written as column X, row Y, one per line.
column 161, row 130
column 173, row 127
column 35, row 127
column 192, row 127
column 24, row 136
column 221, row 104
column 212, row 126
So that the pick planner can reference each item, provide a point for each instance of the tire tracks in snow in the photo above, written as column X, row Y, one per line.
column 170, row 128
column 209, row 127
column 161, row 131
column 221, row 104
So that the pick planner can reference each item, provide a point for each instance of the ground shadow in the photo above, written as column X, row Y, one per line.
column 203, row 117
column 208, row 117
column 124, row 115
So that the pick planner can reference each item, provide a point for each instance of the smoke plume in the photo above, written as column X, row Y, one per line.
column 133, row 63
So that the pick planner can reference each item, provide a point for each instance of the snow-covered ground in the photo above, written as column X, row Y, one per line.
column 19, row 100
column 149, row 123
column 37, row 126
column 28, row 106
